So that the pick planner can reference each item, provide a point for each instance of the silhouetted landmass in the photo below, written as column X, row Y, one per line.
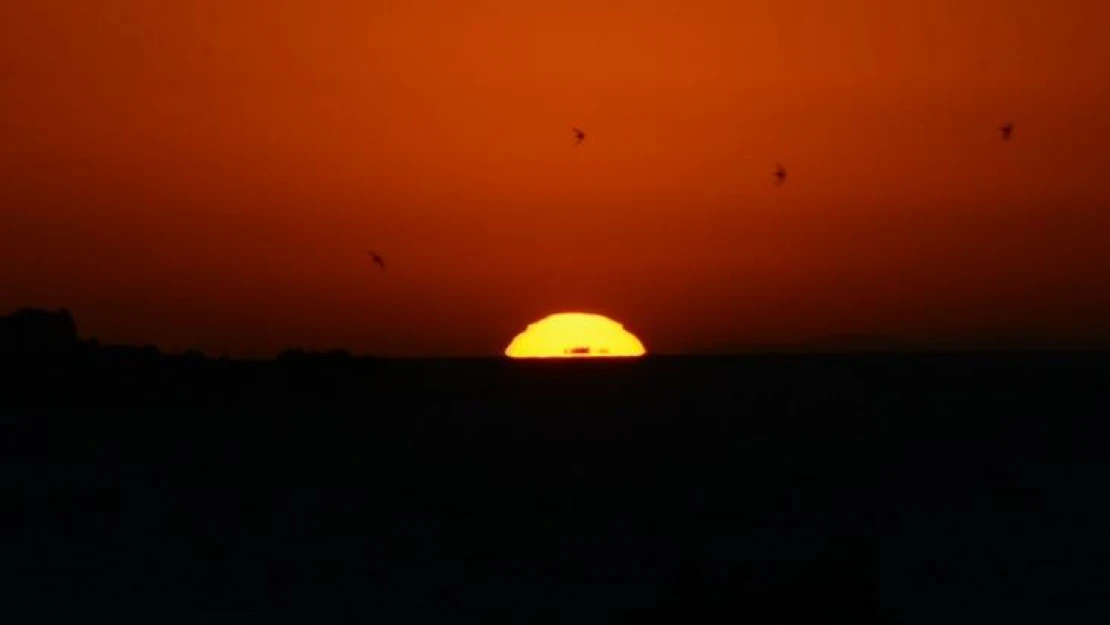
column 39, row 334
column 144, row 487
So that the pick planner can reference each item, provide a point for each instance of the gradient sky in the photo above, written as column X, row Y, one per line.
column 209, row 174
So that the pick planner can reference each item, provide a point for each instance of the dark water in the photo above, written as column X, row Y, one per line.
column 835, row 489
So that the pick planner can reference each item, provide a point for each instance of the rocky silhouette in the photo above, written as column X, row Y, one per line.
column 326, row 487
column 38, row 333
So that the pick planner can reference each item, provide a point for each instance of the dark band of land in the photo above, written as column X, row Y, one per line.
column 323, row 488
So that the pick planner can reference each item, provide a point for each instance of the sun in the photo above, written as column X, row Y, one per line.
column 575, row 335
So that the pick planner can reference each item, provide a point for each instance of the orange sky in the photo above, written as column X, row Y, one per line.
column 209, row 174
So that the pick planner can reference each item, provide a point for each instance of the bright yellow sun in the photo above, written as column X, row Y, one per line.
column 575, row 335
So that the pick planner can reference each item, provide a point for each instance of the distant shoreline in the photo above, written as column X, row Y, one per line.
column 43, row 333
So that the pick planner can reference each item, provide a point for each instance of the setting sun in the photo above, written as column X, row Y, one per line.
column 575, row 335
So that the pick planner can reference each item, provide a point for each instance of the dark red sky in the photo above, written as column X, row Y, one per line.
column 209, row 174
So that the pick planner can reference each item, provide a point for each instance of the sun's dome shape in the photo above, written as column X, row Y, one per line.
column 575, row 335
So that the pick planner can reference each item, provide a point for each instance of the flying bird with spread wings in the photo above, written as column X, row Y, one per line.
column 378, row 260
column 780, row 174
column 579, row 136
column 1007, row 130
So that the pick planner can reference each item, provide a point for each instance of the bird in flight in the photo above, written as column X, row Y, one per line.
column 1007, row 130
column 780, row 174
column 378, row 260
column 579, row 136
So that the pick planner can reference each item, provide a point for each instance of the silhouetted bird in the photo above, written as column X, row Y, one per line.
column 780, row 174
column 378, row 260
column 579, row 136
column 1007, row 130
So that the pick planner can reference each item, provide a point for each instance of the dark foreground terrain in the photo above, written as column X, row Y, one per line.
column 146, row 488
